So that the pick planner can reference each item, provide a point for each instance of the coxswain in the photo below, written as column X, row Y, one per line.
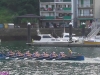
column 70, row 51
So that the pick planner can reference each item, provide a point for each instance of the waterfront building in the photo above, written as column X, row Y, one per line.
column 55, row 12
column 62, row 12
column 85, row 12
column 96, row 9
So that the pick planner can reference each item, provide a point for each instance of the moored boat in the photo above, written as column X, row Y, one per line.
column 93, row 41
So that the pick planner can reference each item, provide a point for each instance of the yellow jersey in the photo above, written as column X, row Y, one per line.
column 70, row 51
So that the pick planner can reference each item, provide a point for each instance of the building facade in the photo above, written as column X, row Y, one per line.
column 96, row 9
column 85, row 12
column 62, row 12
column 55, row 12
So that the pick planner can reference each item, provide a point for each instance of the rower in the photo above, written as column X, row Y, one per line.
column 19, row 54
column 53, row 54
column 62, row 54
column 45, row 54
column 36, row 54
column 28, row 54
column 10, row 53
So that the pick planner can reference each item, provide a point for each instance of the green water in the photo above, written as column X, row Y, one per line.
column 21, row 45
column 90, row 66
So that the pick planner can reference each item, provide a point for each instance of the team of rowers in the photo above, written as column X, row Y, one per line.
column 37, row 54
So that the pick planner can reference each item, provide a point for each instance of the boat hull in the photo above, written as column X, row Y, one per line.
column 63, row 58
column 79, row 58
column 91, row 43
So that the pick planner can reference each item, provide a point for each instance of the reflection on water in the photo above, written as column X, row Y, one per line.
column 90, row 66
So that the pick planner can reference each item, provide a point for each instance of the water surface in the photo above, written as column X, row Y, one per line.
column 90, row 66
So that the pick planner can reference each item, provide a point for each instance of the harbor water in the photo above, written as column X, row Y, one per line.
column 90, row 66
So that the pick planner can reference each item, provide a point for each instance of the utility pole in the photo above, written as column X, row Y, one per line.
column 74, row 12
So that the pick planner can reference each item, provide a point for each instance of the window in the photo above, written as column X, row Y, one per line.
column 46, row 37
column 86, row 3
column 86, row 12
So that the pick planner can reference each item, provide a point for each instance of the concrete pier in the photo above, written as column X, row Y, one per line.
column 61, row 45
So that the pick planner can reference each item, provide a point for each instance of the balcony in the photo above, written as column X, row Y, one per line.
column 85, row 17
column 49, row 17
column 67, row 17
column 66, row 0
column 62, row 0
column 85, row 6
column 55, row 0
column 60, row 10
column 47, row 9
column 66, row 9
column 46, row 0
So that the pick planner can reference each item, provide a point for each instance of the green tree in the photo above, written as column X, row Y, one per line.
column 9, row 9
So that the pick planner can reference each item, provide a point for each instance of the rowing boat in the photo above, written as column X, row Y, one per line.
column 73, row 57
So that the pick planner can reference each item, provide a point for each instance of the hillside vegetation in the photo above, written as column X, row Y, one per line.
column 10, row 9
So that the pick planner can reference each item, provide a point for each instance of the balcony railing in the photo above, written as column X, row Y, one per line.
column 85, row 15
column 53, row 9
column 46, row 0
column 66, row 0
column 55, row 0
column 62, row 0
column 46, row 9
column 85, row 6
column 66, row 8
column 67, row 17
column 57, row 17
column 63, row 9
column 49, row 17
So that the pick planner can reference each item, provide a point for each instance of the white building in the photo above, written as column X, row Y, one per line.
column 55, row 12
column 61, row 12
column 85, row 11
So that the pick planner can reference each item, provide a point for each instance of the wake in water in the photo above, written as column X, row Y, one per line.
column 87, row 60
column 52, row 67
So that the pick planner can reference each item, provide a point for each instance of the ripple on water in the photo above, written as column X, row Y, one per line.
column 32, row 67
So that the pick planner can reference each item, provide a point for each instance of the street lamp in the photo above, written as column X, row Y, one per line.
column 83, row 23
column 28, row 23
column 83, row 29
column 29, row 32
column 70, row 23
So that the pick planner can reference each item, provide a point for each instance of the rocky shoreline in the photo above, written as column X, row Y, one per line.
column 21, row 33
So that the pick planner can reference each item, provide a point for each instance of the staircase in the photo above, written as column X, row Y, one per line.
column 94, row 31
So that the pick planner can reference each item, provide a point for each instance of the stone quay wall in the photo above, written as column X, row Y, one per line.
column 21, row 33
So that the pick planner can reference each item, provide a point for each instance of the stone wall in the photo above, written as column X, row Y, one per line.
column 21, row 33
